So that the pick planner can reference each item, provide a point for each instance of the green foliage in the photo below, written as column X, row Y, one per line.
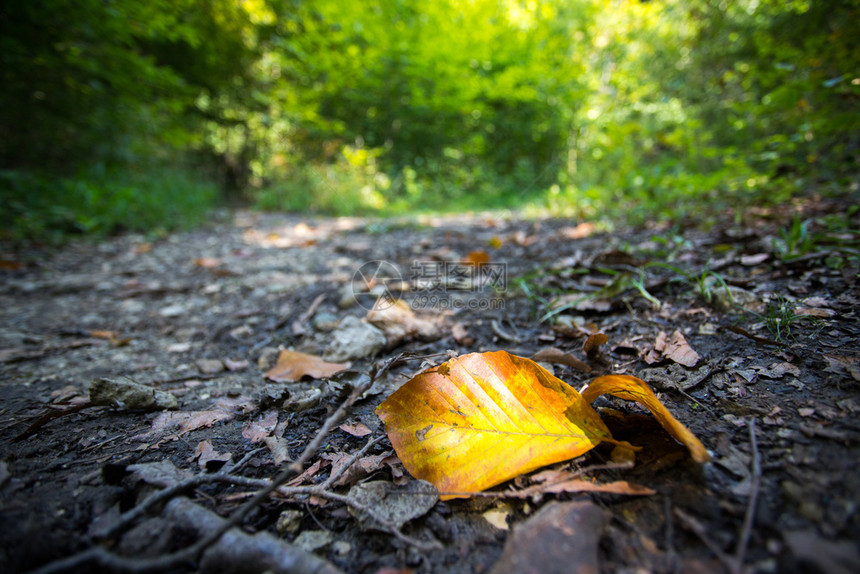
column 630, row 110
column 101, row 203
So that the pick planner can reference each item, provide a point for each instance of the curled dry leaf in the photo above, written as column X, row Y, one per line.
column 634, row 389
column 206, row 453
column 676, row 348
column 293, row 365
column 484, row 418
column 591, row 347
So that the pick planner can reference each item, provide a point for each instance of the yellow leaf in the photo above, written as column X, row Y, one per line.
column 293, row 365
column 634, row 389
column 484, row 418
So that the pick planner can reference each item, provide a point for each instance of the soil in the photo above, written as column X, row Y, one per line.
column 201, row 315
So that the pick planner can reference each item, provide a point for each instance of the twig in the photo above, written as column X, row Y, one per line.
column 696, row 527
column 752, row 503
column 349, row 462
column 502, row 334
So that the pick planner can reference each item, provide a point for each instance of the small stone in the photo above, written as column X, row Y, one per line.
column 302, row 399
column 209, row 366
column 172, row 310
column 341, row 548
column 561, row 538
column 311, row 540
column 354, row 339
column 129, row 395
column 325, row 321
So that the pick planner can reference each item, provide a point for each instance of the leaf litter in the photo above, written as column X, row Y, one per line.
column 746, row 368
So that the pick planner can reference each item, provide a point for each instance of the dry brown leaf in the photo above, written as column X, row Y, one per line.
column 839, row 365
column 676, row 348
column 357, row 429
column 186, row 422
column 399, row 322
column 559, row 357
column 360, row 469
column 205, row 453
column 477, row 257
column 573, row 485
column 293, row 365
column 581, row 231
column 207, row 262
column 279, row 448
column 591, row 347
column 257, row 430
column 461, row 335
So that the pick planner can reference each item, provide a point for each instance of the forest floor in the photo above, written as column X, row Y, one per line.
column 747, row 332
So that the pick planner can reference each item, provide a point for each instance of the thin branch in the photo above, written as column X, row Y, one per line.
column 752, row 503
column 696, row 527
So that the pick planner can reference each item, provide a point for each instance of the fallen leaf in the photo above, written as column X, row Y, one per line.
column 581, row 231
column 257, row 430
column 676, row 349
column 461, row 335
column 309, row 472
column 358, row 470
column 574, row 485
column 559, row 357
column 634, row 389
column 279, row 448
column 232, row 365
column 753, row 260
column 816, row 313
column 10, row 265
column 357, row 429
column 206, row 453
column 209, row 366
column 484, row 418
column 176, row 424
column 477, row 257
column 207, row 262
column 293, row 365
column 840, row 365
column 591, row 347
column 779, row 370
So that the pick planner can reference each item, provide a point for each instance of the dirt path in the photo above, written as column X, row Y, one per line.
column 766, row 377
